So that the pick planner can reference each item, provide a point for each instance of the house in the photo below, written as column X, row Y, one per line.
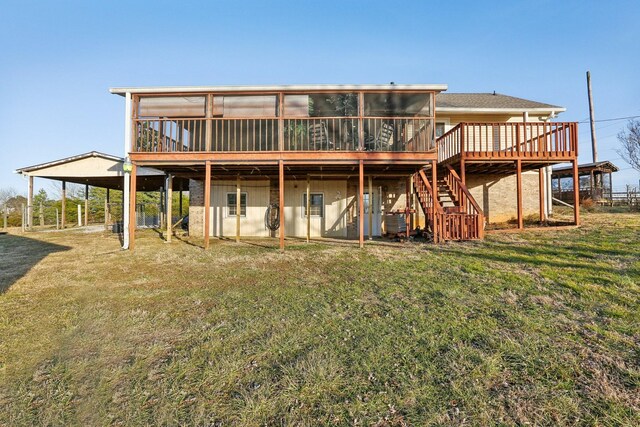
column 347, row 161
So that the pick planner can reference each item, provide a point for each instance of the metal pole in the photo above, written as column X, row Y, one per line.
column 592, row 120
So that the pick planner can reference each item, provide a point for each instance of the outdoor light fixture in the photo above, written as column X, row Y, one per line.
column 127, row 166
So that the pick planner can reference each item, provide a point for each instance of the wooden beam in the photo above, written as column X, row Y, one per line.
column 308, row 209
column 86, row 205
column 576, row 193
column 541, row 191
column 30, row 203
column 370, row 207
column 281, row 201
column 132, row 207
column 519, row 193
column 407, row 208
column 63, row 207
column 169, row 208
column 361, row 204
column 106, row 211
column 238, row 208
column 434, row 187
column 207, row 202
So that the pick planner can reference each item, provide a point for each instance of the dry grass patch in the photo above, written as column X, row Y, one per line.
column 537, row 328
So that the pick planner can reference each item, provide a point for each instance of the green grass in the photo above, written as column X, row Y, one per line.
column 537, row 328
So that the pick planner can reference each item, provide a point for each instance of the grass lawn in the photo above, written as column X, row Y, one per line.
column 536, row 328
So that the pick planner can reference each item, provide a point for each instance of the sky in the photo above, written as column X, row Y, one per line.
column 60, row 58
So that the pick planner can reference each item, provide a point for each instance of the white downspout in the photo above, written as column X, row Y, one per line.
column 127, row 177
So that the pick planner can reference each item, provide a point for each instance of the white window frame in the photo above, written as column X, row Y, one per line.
column 304, row 202
column 246, row 203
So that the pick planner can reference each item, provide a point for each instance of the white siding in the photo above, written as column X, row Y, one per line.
column 334, row 221
column 257, row 201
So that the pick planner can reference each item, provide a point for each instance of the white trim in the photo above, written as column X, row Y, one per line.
column 246, row 204
column 274, row 88
column 303, row 213
column 464, row 110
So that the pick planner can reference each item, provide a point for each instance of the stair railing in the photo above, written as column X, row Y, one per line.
column 430, row 205
column 468, row 224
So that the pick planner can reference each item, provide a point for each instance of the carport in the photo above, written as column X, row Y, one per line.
column 94, row 169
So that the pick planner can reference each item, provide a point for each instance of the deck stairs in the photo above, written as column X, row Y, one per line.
column 450, row 210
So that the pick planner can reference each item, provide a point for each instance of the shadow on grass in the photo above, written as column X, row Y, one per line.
column 19, row 254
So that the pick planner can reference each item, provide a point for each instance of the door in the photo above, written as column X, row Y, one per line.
column 372, row 202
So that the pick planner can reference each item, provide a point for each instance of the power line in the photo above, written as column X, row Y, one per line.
column 611, row 120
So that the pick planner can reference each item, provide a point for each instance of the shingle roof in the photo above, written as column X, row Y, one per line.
column 489, row 101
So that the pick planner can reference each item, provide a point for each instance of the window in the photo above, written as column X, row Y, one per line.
column 439, row 129
column 317, row 205
column 397, row 104
column 232, row 204
column 171, row 106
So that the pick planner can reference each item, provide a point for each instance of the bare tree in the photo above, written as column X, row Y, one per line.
column 630, row 141
column 6, row 194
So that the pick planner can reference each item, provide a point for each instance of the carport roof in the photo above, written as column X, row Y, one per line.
column 99, row 170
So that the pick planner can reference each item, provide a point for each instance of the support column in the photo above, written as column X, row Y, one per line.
column 207, row 202
column 308, row 209
column 361, row 204
column 30, row 203
column 63, row 207
column 541, row 191
column 132, row 206
column 463, row 178
column 180, row 203
column 519, row 191
column 434, row 217
column 576, row 193
column 407, row 207
column 238, row 208
column 370, row 207
column 281, row 201
column 106, row 211
column 86, row 205
column 169, row 207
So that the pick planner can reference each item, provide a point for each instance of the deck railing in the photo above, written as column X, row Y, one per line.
column 505, row 140
column 298, row 134
column 468, row 224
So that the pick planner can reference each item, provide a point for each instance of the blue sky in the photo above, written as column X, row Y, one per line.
column 59, row 59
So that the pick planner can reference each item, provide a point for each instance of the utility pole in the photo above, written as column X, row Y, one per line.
column 592, row 121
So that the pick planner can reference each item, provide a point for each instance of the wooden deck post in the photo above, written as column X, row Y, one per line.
column 238, row 208
column 86, row 205
column 519, row 192
column 434, row 217
column 407, row 207
column 370, row 208
column 576, row 193
column 132, row 207
column 463, row 178
column 30, row 203
column 541, row 191
column 106, row 210
column 361, row 203
column 169, row 208
column 308, row 209
column 63, row 207
column 281, row 201
column 207, row 202
column 180, row 202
